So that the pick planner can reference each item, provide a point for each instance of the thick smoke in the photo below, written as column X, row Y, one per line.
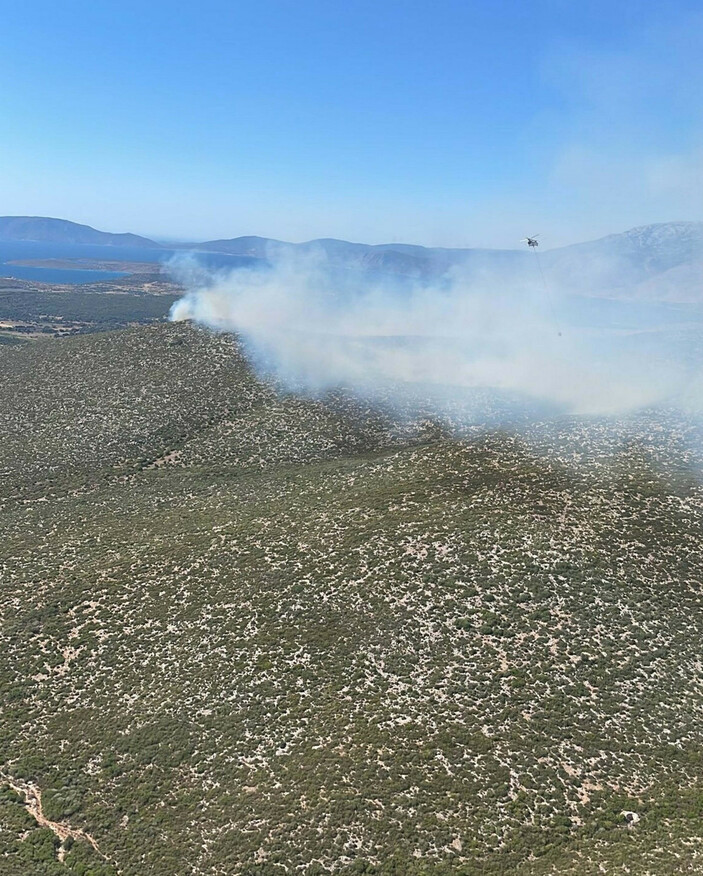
column 315, row 327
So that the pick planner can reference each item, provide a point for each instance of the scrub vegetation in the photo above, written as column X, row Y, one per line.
column 30, row 311
column 247, row 632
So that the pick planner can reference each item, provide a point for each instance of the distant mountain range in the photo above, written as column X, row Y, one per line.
column 661, row 261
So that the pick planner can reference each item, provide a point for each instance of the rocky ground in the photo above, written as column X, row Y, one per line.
column 246, row 632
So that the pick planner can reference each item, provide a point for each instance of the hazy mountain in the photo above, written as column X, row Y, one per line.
column 255, row 247
column 653, row 261
column 645, row 249
column 663, row 261
column 394, row 258
column 41, row 228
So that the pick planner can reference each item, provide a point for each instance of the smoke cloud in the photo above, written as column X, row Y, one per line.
column 471, row 334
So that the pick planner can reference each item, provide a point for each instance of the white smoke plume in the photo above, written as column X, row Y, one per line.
column 315, row 327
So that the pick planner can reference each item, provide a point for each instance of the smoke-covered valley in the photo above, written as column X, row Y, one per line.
column 609, row 327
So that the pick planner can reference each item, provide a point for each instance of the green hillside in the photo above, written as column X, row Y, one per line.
column 244, row 632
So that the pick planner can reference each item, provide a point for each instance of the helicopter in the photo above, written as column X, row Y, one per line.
column 533, row 243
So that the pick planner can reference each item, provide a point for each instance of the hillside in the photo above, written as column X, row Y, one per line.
column 247, row 633
column 657, row 247
column 41, row 228
column 656, row 262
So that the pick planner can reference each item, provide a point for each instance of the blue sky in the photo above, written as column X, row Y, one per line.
column 444, row 123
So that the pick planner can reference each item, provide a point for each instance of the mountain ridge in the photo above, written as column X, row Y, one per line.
column 47, row 228
column 657, row 261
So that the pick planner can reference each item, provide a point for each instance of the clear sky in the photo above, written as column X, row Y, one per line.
column 448, row 122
